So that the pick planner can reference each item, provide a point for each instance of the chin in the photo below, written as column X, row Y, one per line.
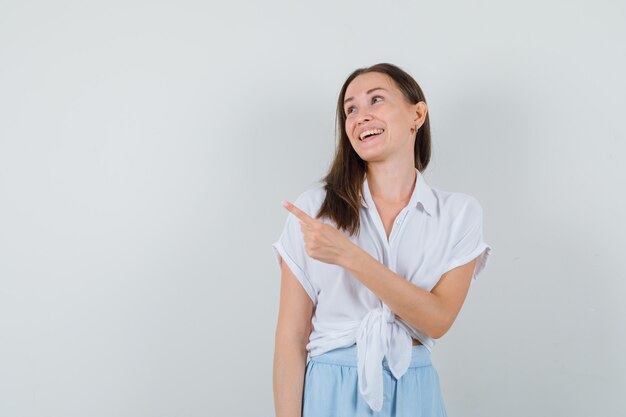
column 372, row 156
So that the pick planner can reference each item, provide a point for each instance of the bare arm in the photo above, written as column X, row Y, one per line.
column 292, row 334
column 430, row 312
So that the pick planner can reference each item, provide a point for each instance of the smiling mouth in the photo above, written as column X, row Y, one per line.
column 370, row 134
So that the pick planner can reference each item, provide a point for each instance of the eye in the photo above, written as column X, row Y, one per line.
column 349, row 109
column 376, row 97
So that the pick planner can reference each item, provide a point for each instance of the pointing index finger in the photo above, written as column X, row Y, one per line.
column 297, row 212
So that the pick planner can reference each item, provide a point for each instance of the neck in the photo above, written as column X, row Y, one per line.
column 391, row 185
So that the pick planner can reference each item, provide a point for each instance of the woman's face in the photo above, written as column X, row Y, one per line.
column 379, row 118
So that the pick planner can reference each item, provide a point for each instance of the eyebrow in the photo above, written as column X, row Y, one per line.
column 368, row 91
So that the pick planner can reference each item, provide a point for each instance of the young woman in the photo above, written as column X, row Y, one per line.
column 375, row 263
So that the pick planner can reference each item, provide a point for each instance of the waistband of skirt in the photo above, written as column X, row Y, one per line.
column 347, row 356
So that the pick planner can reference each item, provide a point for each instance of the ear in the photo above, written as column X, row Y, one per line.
column 420, row 110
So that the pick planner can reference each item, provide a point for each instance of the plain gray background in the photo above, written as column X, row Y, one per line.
column 145, row 148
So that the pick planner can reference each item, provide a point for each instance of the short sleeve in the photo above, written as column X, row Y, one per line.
column 290, row 246
column 467, row 239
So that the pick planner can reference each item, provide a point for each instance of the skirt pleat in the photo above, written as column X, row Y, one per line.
column 331, row 387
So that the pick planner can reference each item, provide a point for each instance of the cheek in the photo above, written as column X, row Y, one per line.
column 348, row 126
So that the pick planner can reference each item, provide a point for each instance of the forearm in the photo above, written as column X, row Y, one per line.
column 288, row 377
column 420, row 308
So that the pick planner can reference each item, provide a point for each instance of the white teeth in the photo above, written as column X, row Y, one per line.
column 370, row 132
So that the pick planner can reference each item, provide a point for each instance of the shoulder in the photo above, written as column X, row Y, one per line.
column 311, row 199
column 456, row 206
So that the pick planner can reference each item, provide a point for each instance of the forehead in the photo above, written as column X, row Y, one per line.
column 364, row 82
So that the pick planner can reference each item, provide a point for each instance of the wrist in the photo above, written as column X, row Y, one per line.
column 351, row 256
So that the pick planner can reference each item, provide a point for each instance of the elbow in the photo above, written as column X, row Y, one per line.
column 439, row 329
column 438, row 334
column 435, row 325
column 433, row 331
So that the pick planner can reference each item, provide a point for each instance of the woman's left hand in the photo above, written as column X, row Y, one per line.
column 321, row 241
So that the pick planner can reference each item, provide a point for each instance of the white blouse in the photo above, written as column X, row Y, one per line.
column 436, row 232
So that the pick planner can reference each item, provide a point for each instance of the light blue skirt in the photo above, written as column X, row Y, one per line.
column 331, row 388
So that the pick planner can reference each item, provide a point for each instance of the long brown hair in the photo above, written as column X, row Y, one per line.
column 344, row 181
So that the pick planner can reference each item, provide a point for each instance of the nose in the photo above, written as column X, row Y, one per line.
column 363, row 118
